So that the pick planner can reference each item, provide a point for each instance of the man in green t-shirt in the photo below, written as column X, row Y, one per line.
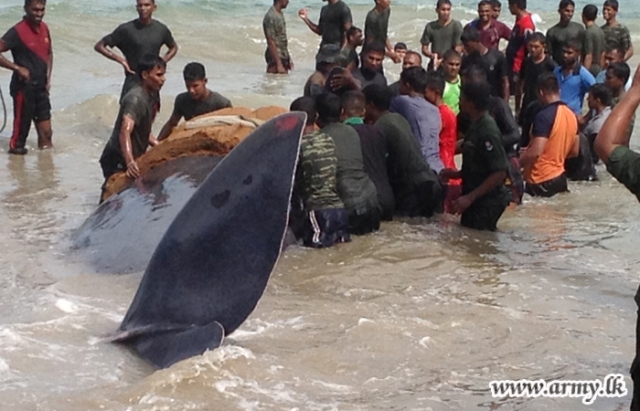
column 559, row 35
column 275, row 31
column 612, row 146
column 594, row 44
column 376, row 26
column 484, row 163
column 615, row 34
column 441, row 35
column 136, row 38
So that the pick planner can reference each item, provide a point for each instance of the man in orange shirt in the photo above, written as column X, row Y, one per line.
column 554, row 138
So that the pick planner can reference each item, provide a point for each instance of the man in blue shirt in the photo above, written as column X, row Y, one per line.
column 423, row 116
column 574, row 80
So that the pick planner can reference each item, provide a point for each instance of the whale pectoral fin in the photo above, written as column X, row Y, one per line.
column 167, row 348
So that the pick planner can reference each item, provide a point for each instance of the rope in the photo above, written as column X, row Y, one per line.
column 4, row 111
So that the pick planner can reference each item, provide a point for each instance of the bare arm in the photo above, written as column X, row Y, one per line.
column 426, row 50
column 629, row 52
column 303, row 14
column 506, row 93
column 491, row 182
column 168, row 127
column 23, row 72
column 173, row 50
column 588, row 61
column 518, row 95
column 613, row 132
column 101, row 48
column 532, row 152
column 125, row 146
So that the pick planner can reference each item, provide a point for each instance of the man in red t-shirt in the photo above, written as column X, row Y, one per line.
column 30, row 46
column 448, row 135
column 517, row 48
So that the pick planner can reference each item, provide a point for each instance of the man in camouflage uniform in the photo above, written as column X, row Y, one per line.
column 615, row 34
column 275, row 31
column 322, row 219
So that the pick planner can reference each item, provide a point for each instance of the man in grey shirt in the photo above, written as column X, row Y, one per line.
column 599, row 101
column 423, row 116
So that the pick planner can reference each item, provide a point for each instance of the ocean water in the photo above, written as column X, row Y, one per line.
column 420, row 316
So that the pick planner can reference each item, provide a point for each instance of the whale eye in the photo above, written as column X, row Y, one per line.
column 220, row 199
column 248, row 180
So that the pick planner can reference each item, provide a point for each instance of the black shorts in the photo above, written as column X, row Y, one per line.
column 326, row 227
column 548, row 188
column 30, row 104
column 484, row 213
column 361, row 223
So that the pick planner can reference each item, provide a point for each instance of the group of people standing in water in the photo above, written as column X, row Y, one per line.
column 373, row 150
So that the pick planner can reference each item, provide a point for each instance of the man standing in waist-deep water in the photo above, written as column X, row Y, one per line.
column 275, row 31
column 335, row 20
column 131, row 134
column 30, row 45
column 612, row 146
column 136, row 38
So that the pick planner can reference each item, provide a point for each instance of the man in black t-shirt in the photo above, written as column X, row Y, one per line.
column 30, row 45
column 136, row 38
column 131, row 134
column 492, row 61
column 198, row 99
column 535, row 64
column 335, row 20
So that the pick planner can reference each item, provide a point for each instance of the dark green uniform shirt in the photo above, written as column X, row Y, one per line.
column 617, row 36
column 442, row 38
column 333, row 18
column 594, row 44
column 558, row 36
column 135, row 40
column 624, row 165
column 406, row 166
column 317, row 171
column 187, row 107
column 376, row 26
column 275, row 28
column 355, row 188
column 142, row 108
column 482, row 155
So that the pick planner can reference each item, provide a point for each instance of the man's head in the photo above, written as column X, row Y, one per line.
column 34, row 10
column 329, row 109
column 354, row 37
column 617, row 76
column 372, row 56
column 195, row 80
column 400, row 49
column 571, row 53
column 610, row 9
column 443, row 9
column 383, row 4
column 151, row 70
column 471, row 40
column 536, row 45
column 589, row 13
column 451, row 62
column 435, row 87
column 517, row 6
column 566, row 10
column 306, row 105
column 485, row 11
column 411, row 59
column 377, row 101
column 613, row 55
column 599, row 97
column 474, row 74
column 145, row 8
column 548, row 88
column 353, row 104
column 413, row 79
column 475, row 98
column 496, row 9
column 283, row 3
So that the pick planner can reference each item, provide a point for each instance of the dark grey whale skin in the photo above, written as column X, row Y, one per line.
column 213, row 263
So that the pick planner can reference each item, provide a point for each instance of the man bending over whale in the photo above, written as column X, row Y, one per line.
column 196, row 101
column 612, row 146
column 131, row 134
column 324, row 219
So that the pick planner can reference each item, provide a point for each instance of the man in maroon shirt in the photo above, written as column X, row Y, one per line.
column 490, row 29
column 30, row 46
